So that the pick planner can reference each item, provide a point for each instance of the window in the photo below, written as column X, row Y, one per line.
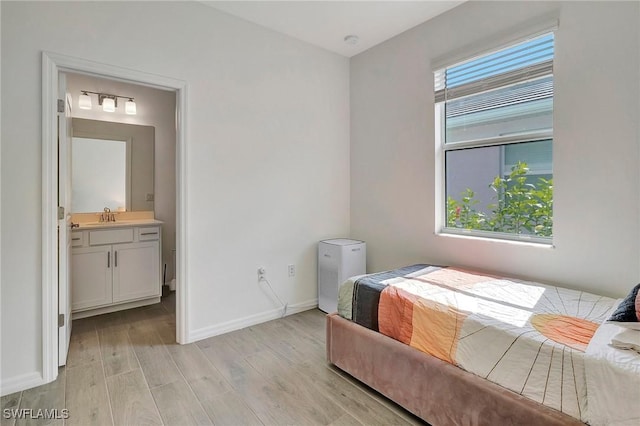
column 494, row 117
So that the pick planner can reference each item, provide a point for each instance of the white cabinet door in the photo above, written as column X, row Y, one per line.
column 136, row 271
column 91, row 277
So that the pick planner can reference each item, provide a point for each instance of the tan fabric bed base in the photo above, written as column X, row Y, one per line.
column 437, row 392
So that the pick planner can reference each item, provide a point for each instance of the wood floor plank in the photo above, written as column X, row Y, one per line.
column 165, row 326
column 46, row 397
column 86, row 396
column 112, row 319
column 205, row 380
column 155, row 361
column 143, row 313
column 353, row 397
column 310, row 323
column 178, row 405
column 245, row 341
column 226, row 359
column 131, row 401
column 309, row 406
column 286, row 340
column 301, row 347
column 229, row 409
column 10, row 402
column 380, row 401
column 271, row 404
column 84, row 348
column 346, row 420
column 83, row 325
column 127, row 318
column 264, row 331
column 296, row 347
column 314, row 318
column 117, row 352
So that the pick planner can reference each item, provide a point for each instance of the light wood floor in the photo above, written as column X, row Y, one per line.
column 125, row 368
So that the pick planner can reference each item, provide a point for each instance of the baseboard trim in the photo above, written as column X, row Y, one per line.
column 248, row 321
column 114, row 308
column 20, row 383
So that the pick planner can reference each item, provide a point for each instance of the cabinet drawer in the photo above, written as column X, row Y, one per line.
column 149, row 234
column 111, row 236
column 77, row 239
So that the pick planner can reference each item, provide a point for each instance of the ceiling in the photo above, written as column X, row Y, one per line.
column 326, row 23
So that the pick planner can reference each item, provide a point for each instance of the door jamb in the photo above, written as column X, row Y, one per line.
column 52, row 64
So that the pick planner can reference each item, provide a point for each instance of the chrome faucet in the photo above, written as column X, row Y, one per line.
column 104, row 217
column 107, row 216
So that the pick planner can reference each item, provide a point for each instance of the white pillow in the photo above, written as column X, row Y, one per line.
column 627, row 339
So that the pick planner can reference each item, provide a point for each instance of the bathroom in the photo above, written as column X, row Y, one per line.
column 123, row 183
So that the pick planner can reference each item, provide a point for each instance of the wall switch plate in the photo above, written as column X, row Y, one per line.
column 149, row 197
column 292, row 270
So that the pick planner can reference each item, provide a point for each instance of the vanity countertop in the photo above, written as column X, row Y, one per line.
column 124, row 223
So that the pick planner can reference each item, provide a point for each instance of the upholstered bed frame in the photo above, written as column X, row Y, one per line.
column 436, row 391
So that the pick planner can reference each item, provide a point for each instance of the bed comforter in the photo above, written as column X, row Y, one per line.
column 527, row 337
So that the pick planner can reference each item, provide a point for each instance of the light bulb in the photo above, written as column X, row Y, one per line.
column 84, row 101
column 130, row 107
column 108, row 105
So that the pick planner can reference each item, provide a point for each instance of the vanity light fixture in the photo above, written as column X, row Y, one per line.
column 108, row 102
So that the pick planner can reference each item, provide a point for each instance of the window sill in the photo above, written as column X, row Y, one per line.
column 496, row 237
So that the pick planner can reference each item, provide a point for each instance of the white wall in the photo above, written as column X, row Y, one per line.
column 267, row 154
column 154, row 107
column 596, row 156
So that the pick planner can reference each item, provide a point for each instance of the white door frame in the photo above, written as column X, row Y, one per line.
column 52, row 64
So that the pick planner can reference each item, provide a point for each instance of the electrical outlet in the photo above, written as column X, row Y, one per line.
column 261, row 273
column 292, row 270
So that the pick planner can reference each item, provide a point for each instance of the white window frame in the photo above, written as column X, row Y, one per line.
column 442, row 148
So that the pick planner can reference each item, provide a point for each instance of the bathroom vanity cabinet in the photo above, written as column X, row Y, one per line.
column 115, row 267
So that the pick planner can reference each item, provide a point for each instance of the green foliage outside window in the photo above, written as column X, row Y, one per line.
column 520, row 207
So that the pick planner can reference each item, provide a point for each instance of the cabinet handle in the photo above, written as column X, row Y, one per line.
column 108, row 259
column 149, row 233
column 116, row 259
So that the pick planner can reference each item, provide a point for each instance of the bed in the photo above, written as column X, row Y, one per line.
column 458, row 347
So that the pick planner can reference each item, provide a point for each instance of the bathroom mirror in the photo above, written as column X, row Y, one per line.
column 100, row 173
column 112, row 166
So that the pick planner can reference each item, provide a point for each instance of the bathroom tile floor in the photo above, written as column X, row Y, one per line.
column 126, row 368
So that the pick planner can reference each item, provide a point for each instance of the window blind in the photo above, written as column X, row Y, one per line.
column 541, row 88
column 522, row 62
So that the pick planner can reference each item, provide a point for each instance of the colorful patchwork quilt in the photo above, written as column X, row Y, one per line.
column 525, row 336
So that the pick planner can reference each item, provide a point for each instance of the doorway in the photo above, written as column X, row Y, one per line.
column 54, row 66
